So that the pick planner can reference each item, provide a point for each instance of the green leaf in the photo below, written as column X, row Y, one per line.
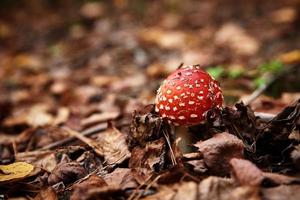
column 216, row 71
column 260, row 81
column 274, row 66
column 235, row 73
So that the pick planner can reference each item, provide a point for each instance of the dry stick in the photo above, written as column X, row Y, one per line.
column 84, row 139
column 173, row 158
column 87, row 132
column 147, row 188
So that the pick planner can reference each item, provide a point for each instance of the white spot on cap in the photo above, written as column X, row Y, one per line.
column 167, row 108
column 164, row 98
column 176, row 97
column 201, row 92
column 181, row 117
column 200, row 97
column 186, row 85
column 170, row 100
column 191, row 102
column 197, row 85
column 202, row 80
column 156, row 109
column 182, row 94
column 172, row 83
column 190, row 86
column 178, row 88
column 192, row 94
column 174, row 108
column 169, row 91
column 164, row 115
column 193, row 115
column 161, row 107
column 172, row 117
column 181, row 104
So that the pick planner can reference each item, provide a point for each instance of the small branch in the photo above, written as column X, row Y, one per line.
column 95, row 129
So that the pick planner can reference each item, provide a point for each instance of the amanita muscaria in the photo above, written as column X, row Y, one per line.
column 186, row 95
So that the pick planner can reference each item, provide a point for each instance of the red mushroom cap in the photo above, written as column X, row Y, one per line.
column 186, row 95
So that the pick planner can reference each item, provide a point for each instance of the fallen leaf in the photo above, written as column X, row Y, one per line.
column 112, row 144
column 215, row 188
column 290, row 192
column 80, row 189
column 48, row 194
column 151, row 157
column 242, row 42
column 15, row 171
column 67, row 173
column 219, row 150
column 246, row 172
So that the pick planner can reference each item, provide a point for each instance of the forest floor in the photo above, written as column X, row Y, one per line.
column 73, row 73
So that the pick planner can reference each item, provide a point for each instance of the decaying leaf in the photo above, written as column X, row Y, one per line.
column 151, row 157
column 66, row 173
column 39, row 137
column 47, row 193
column 80, row 189
column 218, row 150
column 15, row 171
column 112, row 144
column 214, row 188
column 246, row 172
column 145, row 127
column 282, row 192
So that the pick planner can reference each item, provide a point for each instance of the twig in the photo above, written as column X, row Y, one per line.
column 84, row 139
column 147, row 187
column 173, row 158
column 95, row 129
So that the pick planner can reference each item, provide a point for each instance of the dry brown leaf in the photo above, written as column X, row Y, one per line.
column 115, row 178
column 218, row 150
column 80, row 189
column 215, row 188
column 48, row 194
column 148, row 157
column 188, row 190
column 246, row 172
column 15, row 171
column 290, row 192
column 66, row 173
column 112, row 144
column 234, row 36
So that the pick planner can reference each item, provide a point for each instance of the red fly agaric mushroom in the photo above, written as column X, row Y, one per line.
column 186, row 95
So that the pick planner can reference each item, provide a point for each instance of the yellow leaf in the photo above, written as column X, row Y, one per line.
column 14, row 171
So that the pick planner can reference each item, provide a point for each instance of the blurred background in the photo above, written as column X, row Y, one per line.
column 65, row 61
